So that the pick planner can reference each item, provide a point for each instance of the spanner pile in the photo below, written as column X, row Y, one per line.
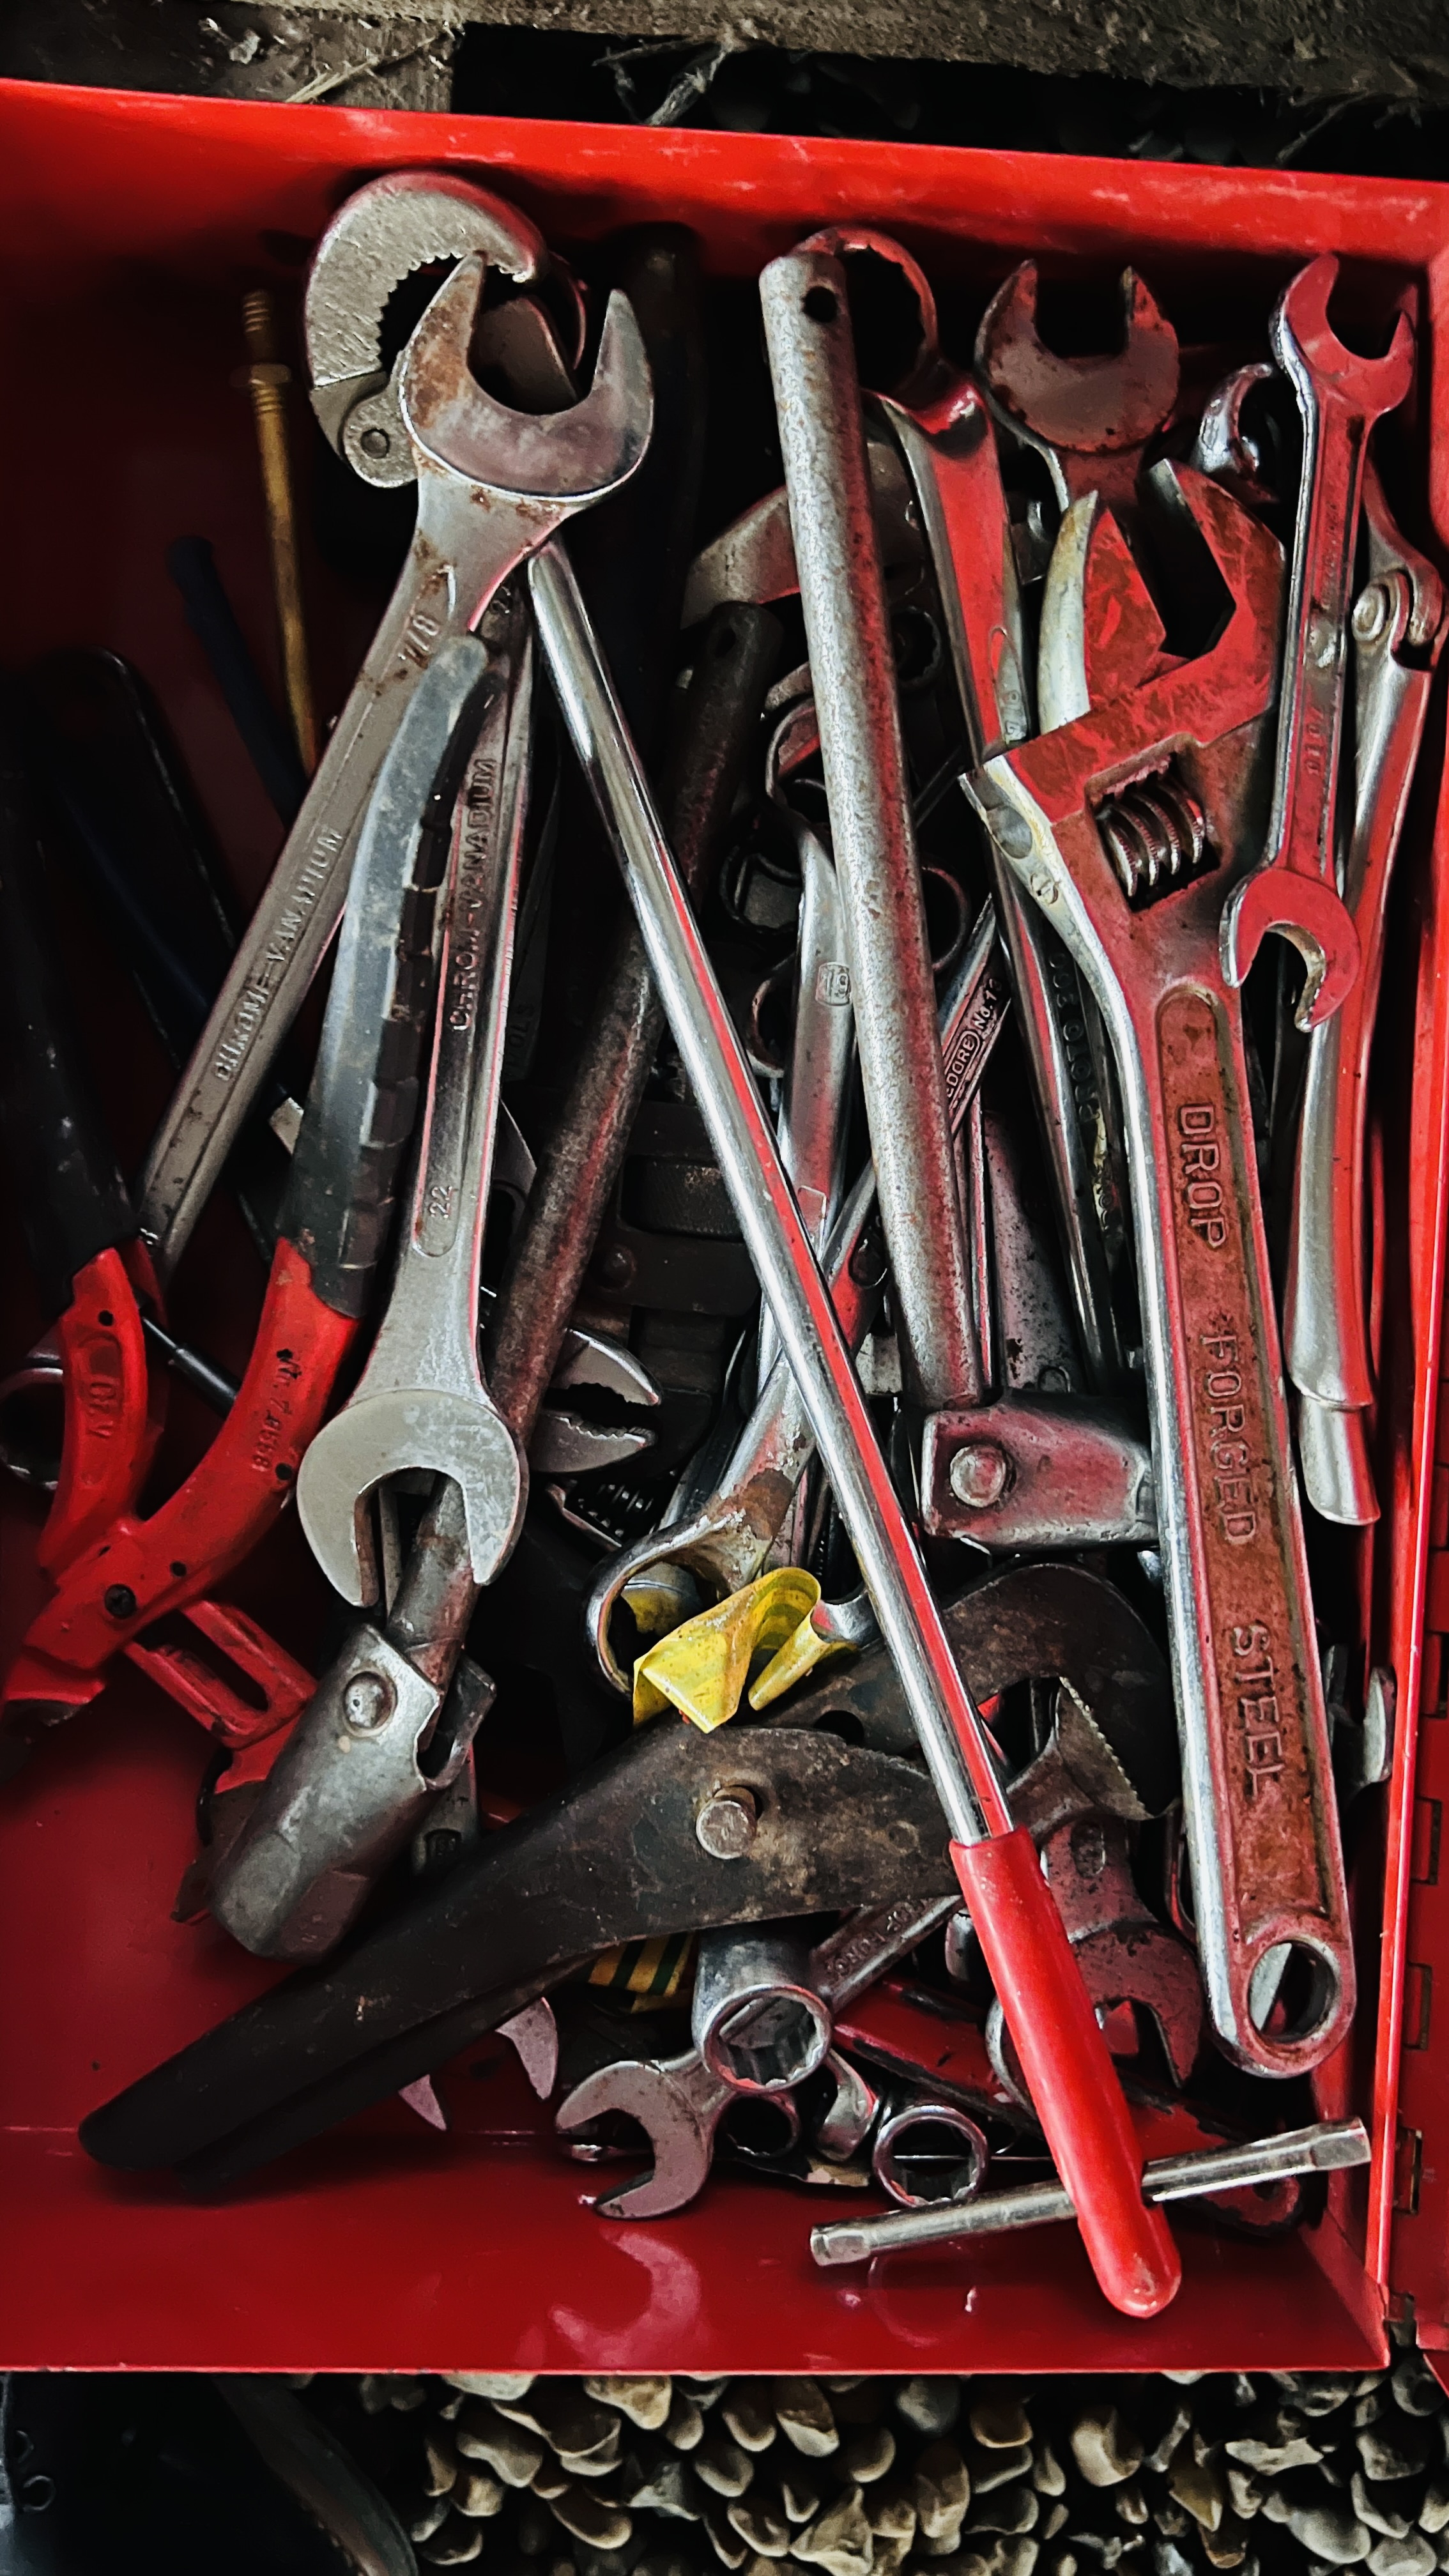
column 806, row 1389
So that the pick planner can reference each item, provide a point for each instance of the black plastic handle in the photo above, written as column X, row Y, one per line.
column 213, row 621
column 71, row 1199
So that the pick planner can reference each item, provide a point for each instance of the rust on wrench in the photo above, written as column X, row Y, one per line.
column 1258, row 1788
column 1340, row 396
column 1095, row 415
column 493, row 484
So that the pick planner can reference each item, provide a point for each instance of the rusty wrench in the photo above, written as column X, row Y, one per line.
column 492, row 484
column 1108, row 821
column 1340, row 396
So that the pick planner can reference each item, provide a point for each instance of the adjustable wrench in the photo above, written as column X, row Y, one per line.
column 679, row 2102
column 421, row 1401
column 1129, row 826
column 1295, row 891
column 492, row 484
column 1069, row 2069
column 1398, row 628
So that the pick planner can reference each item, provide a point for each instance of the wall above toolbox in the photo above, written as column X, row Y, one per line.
column 131, row 228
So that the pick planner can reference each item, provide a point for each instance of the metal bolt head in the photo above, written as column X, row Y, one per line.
column 726, row 1824
column 1370, row 613
column 979, row 1474
column 120, row 1601
column 374, row 442
column 367, row 1702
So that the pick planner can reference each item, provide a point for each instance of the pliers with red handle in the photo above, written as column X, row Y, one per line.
column 116, row 1572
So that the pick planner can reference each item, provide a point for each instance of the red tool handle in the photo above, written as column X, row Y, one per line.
column 1069, row 2069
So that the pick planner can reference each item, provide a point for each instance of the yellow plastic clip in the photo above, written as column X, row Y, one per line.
column 761, row 1637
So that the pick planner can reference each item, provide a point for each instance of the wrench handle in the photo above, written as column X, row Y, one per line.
column 1262, row 1827
column 1068, row 2068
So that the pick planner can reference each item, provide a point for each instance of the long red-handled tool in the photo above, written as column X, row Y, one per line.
column 1062, row 2050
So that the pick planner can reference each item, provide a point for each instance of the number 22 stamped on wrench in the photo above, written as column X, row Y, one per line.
column 1131, row 826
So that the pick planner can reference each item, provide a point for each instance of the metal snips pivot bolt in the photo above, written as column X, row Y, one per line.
column 1295, row 891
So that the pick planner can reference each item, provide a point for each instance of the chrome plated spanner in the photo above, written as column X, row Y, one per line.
column 679, row 2102
column 493, row 484
column 1046, row 1465
column 1398, row 628
column 1130, row 826
column 421, row 1402
column 1295, row 891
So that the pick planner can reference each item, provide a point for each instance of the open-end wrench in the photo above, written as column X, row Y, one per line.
column 492, row 484
column 1069, row 2069
column 1295, row 891
column 679, row 2102
column 1398, row 628
column 1090, row 418
column 337, row 1817
column 402, row 222
column 421, row 1402
column 1129, row 826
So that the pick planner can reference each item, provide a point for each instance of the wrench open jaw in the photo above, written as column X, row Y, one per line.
column 1262, row 1825
column 1091, row 417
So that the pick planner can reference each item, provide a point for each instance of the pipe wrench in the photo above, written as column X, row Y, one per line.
column 1131, row 826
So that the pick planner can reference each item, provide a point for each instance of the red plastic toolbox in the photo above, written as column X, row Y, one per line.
column 130, row 227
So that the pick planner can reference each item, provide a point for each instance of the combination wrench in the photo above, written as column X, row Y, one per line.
column 1295, row 891
column 680, row 2102
column 1129, row 826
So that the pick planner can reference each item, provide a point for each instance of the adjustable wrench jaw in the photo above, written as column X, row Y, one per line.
column 404, row 221
column 1257, row 1774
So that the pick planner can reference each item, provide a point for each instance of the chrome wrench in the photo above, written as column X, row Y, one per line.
column 679, row 2102
column 1128, row 826
column 1295, row 891
column 1398, row 628
column 492, row 485
column 421, row 1402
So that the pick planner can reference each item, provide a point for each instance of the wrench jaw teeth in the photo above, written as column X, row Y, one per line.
column 563, row 460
